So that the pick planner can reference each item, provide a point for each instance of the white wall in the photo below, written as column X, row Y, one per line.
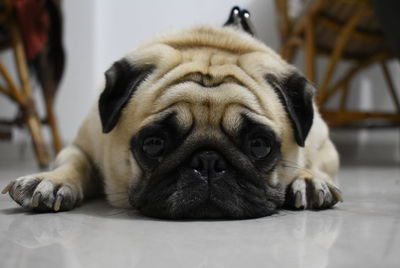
column 77, row 91
column 98, row 32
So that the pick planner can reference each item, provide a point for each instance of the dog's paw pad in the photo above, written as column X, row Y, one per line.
column 41, row 194
column 312, row 194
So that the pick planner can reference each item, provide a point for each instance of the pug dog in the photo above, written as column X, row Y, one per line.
column 201, row 123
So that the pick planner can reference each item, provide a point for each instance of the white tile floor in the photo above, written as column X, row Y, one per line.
column 364, row 231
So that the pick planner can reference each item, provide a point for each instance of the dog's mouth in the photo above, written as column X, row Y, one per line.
column 207, row 187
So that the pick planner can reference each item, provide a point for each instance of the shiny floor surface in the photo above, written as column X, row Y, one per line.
column 364, row 231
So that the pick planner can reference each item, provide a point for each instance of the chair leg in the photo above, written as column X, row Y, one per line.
column 390, row 84
column 52, row 122
column 309, row 51
column 39, row 145
column 337, row 53
column 28, row 108
column 287, row 53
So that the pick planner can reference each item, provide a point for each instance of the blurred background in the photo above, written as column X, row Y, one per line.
column 98, row 32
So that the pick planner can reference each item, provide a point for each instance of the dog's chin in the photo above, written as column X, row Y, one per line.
column 183, row 196
column 206, row 210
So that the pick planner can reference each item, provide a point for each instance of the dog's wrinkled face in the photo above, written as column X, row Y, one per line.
column 194, row 170
column 206, row 140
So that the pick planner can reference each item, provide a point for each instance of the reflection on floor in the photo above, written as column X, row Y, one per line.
column 364, row 230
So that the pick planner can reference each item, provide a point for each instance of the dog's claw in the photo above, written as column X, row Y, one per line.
column 298, row 200
column 336, row 193
column 57, row 204
column 8, row 187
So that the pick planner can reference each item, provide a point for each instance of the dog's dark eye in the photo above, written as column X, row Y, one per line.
column 259, row 148
column 153, row 146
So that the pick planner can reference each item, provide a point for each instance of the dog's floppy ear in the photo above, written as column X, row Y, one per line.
column 296, row 95
column 122, row 80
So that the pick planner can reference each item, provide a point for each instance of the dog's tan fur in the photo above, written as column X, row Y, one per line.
column 234, row 65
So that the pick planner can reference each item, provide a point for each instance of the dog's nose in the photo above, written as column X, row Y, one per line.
column 209, row 164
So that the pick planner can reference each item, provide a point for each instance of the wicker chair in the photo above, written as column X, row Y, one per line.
column 340, row 30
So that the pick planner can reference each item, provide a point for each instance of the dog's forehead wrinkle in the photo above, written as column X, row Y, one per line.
column 209, row 81
column 195, row 95
column 205, row 61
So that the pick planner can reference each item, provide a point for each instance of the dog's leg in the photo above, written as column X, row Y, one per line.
column 62, row 188
column 315, row 187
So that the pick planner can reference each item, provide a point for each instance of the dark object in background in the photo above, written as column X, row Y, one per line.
column 387, row 12
column 47, row 57
column 33, row 30
column 33, row 21
column 240, row 18
column 40, row 23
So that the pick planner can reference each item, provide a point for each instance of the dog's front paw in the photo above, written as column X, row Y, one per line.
column 312, row 193
column 40, row 193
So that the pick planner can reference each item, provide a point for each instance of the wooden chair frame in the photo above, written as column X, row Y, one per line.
column 302, row 34
column 23, row 97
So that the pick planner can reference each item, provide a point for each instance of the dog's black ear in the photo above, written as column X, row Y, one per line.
column 122, row 80
column 296, row 95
